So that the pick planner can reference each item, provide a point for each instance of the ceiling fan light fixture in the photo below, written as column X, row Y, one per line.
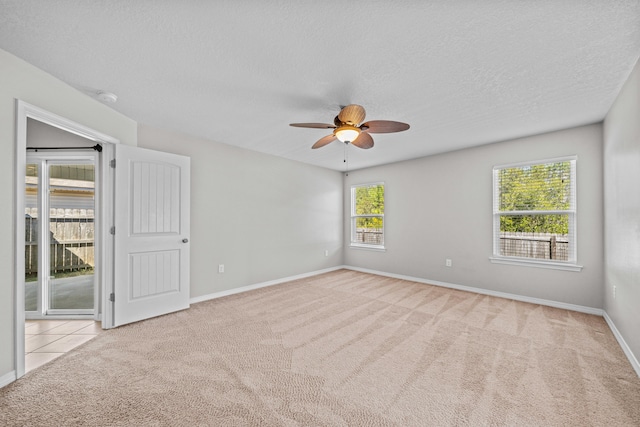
column 346, row 133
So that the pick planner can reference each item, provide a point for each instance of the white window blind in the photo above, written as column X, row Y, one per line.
column 534, row 211
column 367, row 215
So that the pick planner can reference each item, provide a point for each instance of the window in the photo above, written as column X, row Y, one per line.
column 534, row 214
column 367, row 216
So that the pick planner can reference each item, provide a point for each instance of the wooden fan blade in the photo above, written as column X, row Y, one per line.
column 384, row 126
column 313, row 125
column 352, row 114
column 363, row 140
column 324, row 141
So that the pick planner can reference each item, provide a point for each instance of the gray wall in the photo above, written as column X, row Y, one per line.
column 20, row 80
column 622, row 211
column 261, row 216
column 440, row 207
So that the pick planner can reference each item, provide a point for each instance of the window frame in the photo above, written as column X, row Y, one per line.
column 571, row 263
column 353, row 243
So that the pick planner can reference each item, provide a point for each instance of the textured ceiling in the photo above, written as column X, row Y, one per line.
column 462, row 73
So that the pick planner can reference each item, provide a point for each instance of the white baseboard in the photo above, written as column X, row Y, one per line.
column 627, row 350
column 261, row 285
column 556, row 304
column 7, row 378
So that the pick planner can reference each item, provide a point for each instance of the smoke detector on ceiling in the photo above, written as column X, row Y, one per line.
column 107, row 97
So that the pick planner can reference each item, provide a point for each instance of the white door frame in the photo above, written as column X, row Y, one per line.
column 104, row 254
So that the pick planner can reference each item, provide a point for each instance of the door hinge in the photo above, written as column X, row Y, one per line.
column 112, row 163
column 112, row 297
column 113, row 230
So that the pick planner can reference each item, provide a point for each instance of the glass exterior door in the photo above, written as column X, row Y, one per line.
column 59, row 226
column 71, row 237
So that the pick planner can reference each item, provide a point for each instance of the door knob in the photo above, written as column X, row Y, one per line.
column 185, row 240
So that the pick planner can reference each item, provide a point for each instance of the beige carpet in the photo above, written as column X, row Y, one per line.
column 343, row 348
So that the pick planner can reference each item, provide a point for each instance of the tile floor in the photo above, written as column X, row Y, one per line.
column 47, row 339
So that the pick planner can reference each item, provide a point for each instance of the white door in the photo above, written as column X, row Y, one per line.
column 151, row 245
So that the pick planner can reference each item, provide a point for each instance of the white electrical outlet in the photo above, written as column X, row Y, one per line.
column 614, row 291
column 221, row 268
column 448, row 262
column 326, row 253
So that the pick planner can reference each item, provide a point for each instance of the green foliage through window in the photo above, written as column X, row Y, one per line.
column 548, row 224
column 541, row 187
column 369, row 200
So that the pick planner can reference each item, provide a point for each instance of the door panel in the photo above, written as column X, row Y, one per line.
column 154, row 273
column 156, row 198
column 151, row 234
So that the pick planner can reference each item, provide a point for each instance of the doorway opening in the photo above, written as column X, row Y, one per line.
column 60, row 218
column 66, row 284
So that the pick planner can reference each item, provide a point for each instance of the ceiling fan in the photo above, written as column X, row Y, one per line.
column 347, row 128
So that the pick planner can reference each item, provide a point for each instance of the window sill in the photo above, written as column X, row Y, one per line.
column 524, row 262
column 368, row 247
